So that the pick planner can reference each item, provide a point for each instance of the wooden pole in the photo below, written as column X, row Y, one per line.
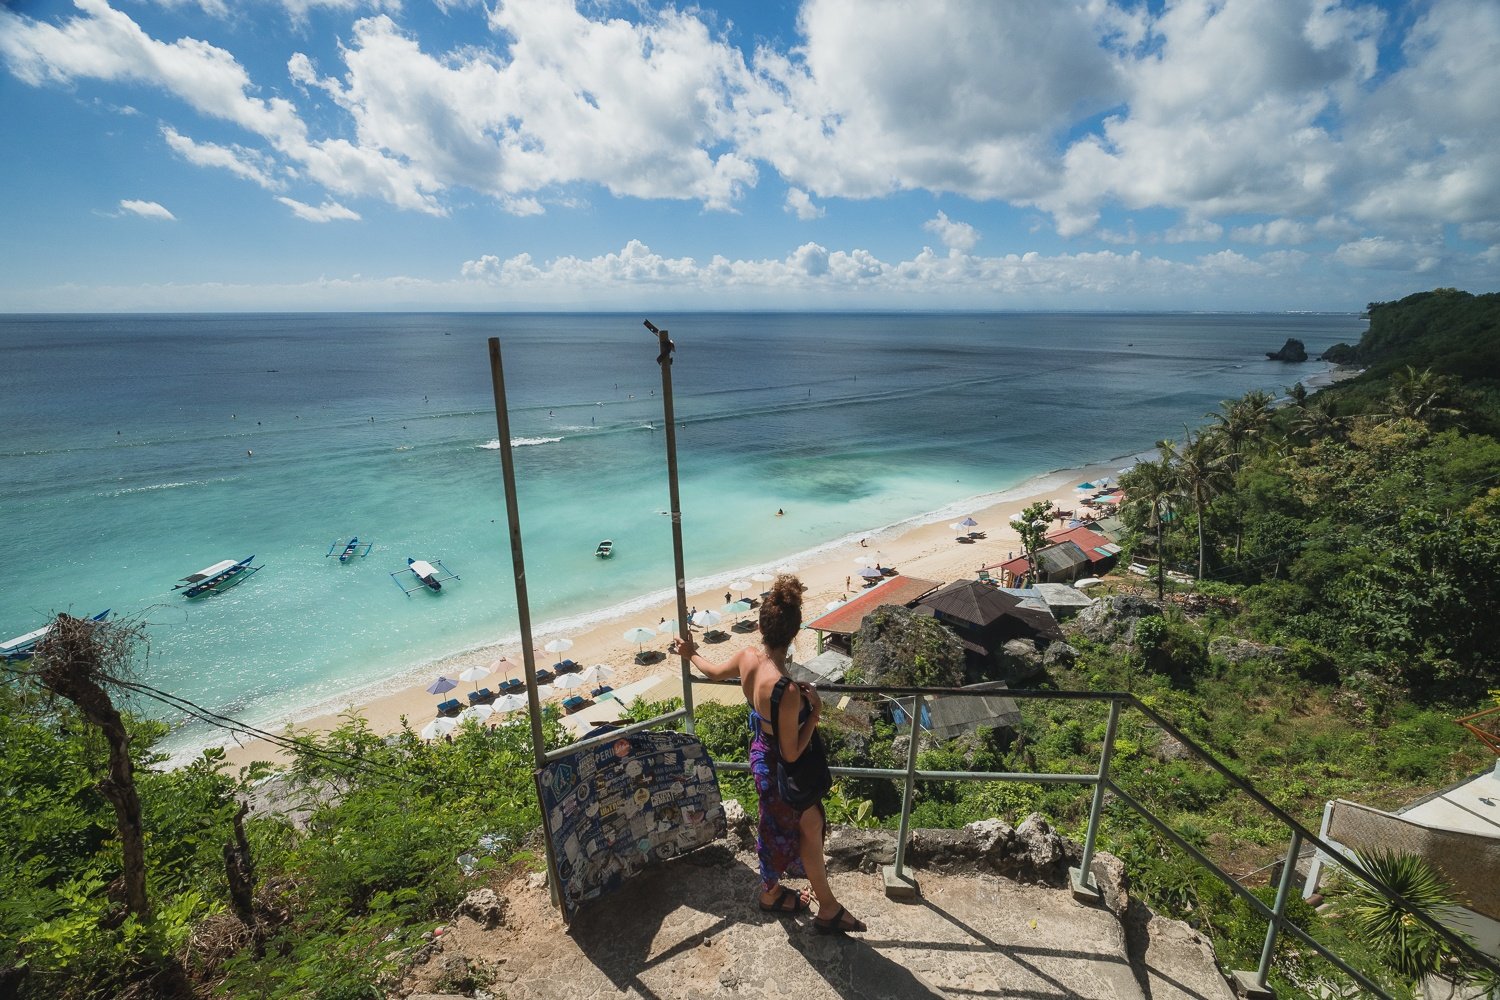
column 664, row 359
column 523, row 607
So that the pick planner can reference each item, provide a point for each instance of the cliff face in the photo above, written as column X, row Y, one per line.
column 1449, row 331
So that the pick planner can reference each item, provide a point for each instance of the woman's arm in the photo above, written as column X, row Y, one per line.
column 708, row 668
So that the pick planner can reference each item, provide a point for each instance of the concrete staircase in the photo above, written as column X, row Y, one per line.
column 692, row 930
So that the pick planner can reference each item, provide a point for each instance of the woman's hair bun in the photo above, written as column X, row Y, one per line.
column 781, row 614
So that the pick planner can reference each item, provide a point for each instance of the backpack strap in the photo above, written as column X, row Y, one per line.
column 776, row 693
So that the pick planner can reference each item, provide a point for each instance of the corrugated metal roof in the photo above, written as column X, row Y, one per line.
column 1061, row 558
column 1095, row 544
column 898, row 590
column 971, row 601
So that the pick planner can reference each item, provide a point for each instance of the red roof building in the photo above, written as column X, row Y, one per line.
column 1095, row 545
column 898, row 590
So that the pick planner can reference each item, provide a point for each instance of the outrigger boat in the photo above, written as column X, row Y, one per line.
column 219, row 576
column 605, row 550
column 351, row 549
column 429, row 576
column 23, row 646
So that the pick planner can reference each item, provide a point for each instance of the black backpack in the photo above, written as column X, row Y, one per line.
column 802, row 782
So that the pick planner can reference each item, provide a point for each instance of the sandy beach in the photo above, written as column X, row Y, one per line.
column 927, row 550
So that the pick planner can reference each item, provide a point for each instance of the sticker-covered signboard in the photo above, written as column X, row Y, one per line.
column 613, row 810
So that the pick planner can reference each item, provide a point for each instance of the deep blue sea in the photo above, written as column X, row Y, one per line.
column 126, row 461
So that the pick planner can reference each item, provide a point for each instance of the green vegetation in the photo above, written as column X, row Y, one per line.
column 1353, row 536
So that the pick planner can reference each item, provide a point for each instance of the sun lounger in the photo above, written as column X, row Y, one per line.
column 715, row 635
column 513, row 686
column 544, row 676
column 481, row 697
column 743, row 627
column 566, row 667
column 573, row 704
column 450, row 707
column 600, row 692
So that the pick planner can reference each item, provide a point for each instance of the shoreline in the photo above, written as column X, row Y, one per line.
column 921, row 545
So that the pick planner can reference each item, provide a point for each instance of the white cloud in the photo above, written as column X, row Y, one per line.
column 1200, row 231
column 145, row 209
column 249, row 164
column 329, row 211
column 1387, row 254
column 800, row 204
column 298, row 10
column 954, row 235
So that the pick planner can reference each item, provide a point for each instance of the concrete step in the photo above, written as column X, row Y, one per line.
column 692, row 930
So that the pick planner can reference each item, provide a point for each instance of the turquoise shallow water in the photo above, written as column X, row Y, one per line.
column 125, row 463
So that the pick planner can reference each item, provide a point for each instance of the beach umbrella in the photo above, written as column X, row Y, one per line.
column 568, row 682
column 862, row 561
column 740, row 586
column 599, row 672
column 735, row 608
column 668, row 627
column 639, row 635
column 762, row 578
column 833, row 605
column 438, row 728
column 475, row 674
column 508, row 703
column 476, row 712
column 442, row 685
column 871, row 573
column 969, row 523
column 559, row 646
column 707, row 619
column 501, row 664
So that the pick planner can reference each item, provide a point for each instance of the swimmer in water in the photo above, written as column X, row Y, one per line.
column 780, row 512
column 249, row 453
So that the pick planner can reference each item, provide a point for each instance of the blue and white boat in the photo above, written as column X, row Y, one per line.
column 219, row 576
column 429, row 576
column 351, row 549
column 23, row 646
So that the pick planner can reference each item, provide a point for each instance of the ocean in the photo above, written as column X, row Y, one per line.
column 140, row 448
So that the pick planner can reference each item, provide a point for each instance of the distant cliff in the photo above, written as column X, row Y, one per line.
column 1449, row 331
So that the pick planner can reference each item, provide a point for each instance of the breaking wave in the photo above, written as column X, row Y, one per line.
column 519, row 442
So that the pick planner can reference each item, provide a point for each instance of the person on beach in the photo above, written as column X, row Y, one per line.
column 788, row 841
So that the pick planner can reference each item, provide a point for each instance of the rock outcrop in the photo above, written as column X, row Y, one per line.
column 898, row 648
column 1112, row 619
column 1292, row 350
column 1239, row 651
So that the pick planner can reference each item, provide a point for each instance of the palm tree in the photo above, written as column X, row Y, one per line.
column 1153, row 484
column 1199, row 466
column 1316, row 421
column 1242, row 423
column 1421, row 396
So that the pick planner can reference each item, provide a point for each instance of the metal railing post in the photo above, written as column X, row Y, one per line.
column 1083, row 879
column 899, row 885
column 1258, row 987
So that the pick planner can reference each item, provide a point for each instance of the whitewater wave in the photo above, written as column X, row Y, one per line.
column 520, row 442
column 156, row 486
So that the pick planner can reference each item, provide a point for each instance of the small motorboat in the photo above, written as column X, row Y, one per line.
column 429, row 576
column 605, row 550
column 23, row 646
column 219, row 576
column 350, row 549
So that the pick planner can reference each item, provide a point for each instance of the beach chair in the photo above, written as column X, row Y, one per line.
column 544, row 676
column 481, row 697
column 513, row 686
column 573, row 704
column 567, row 667
column 450, row 707
column 600, row 692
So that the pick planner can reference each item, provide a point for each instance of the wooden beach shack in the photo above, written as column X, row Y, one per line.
column 835, row 628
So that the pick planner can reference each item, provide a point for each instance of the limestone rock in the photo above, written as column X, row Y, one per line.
column 1112, row 619
column 740, row 826
column 1292, row 350
column 1060, row 654
column 1019, row 658
column 851, row 849
column 898, row 648
column 1114, row 884
column 1238, row 651
column 484, row 906
column 1032, row 852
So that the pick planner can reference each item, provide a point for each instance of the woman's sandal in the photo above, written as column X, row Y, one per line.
column 842, row 922
column 783, row 905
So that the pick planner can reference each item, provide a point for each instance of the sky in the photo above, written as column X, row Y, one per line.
column 289, row 155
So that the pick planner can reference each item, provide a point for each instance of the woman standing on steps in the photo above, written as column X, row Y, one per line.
column 788, row 841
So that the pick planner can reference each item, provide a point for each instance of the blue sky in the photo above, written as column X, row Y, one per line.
column 828, row 154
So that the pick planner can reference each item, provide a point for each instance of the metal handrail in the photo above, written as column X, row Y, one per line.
column 1275, row 915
